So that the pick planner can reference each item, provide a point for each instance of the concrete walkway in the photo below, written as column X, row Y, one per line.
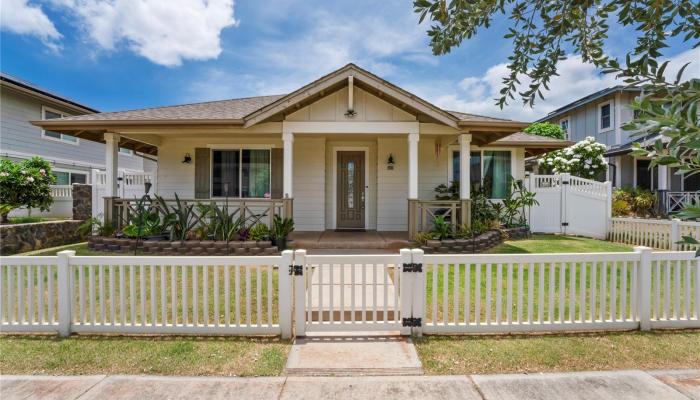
column 368, row 242
column 619, row 385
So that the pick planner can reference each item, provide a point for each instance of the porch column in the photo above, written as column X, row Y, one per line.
column 662, row 188
column 287, row 163
column 413, row 165
column 111, row 163
column 465, row 140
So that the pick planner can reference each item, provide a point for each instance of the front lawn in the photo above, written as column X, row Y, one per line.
column 541, row 243
column 174, row 355
column 461, row 355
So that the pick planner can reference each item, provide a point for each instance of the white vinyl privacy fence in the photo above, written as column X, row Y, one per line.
column 130, row 185
column 656, row 233
column 295, row 292
column 569, row 205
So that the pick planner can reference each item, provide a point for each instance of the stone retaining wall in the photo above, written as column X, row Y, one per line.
column 187, row 248
column 20, row 238
column 478, row 244
column 82, row 201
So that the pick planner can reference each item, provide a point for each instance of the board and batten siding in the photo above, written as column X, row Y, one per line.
column 392, row 195
column 18, row 136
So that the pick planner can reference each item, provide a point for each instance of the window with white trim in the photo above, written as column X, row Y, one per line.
column 125, row 151
column 605, row 116
column 69, row 178
column 243, row 173
column 490, row 168
column 48, row 113
column 564, row 124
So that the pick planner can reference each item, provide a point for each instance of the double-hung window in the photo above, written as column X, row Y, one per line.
column 48, row 113
column 604, row 116
column 564, row 124
column 488, row 168
column 243, row 173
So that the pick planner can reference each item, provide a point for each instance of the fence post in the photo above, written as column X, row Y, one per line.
column 418, row 291
column 405, row 290
column 608, row 208
column 300, row 294
column 675, row 236
column 286, row 297
column 564, row 185
column 644, row 288
column 64, row 295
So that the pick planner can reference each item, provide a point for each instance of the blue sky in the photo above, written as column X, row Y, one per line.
column 115, row 55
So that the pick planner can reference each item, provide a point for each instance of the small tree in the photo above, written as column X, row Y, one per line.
column 25, row 184
column 584, row 159
column 545, row 129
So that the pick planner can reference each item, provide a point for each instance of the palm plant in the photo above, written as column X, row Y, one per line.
column 281, row 228
column 180, row 217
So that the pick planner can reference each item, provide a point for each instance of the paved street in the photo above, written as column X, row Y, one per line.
column 617, row 385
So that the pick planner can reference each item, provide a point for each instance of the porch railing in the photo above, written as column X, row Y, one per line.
column 421, row 214
column 675, row 201
column 254, row 211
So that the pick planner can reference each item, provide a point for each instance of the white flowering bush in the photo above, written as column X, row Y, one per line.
column 584, row 159
column 25, row 184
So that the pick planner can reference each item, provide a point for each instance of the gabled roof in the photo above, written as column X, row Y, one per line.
column 26, row 87
column 533, row 144
column 587, row 99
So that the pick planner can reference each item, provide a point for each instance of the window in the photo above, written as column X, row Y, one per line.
column 564, row 123
column 489, row 168
column 48, row 113
column 646, row 178
column 241, row 173
column 604, row 116
column 69, row 178
column 127, row 152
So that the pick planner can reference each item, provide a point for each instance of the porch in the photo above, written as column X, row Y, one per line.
column 326, row 240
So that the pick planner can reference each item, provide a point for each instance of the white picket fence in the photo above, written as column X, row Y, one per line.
column 656, row 233
column 569, row 205
column 408, row 292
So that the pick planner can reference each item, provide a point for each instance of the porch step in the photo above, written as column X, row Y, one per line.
column 350, row 240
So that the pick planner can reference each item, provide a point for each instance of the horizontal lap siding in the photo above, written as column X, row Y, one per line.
column 309, row 184
column 392, row 196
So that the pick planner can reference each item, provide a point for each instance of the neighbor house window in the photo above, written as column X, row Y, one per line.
column 488, row 168
column 125, row 151
column 604, row 116
column 241, row 173
column 48, row 113
column 69, row 178
column 564, row 123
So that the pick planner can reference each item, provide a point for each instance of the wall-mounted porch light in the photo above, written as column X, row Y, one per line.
column 188, row 159
column 390, row 162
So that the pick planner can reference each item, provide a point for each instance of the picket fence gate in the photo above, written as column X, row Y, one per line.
column 296, row 293
column 569, row 205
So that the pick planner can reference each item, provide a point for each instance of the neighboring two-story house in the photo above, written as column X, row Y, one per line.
column 73, row 159
column 602, row 115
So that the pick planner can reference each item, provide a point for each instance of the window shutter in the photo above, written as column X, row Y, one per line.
column 201, row 173
column 276, row 174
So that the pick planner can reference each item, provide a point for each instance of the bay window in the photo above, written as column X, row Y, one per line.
column 488, row 168
column 241, row 173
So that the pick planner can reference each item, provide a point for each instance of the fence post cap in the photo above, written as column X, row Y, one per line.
column 639, row 249
column 66, row 252
column 287, row 252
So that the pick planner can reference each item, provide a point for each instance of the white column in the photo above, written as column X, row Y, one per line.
column 111, row 163
column 464, row 166
column 413, row 165
column 288, row 163
column 663, row 177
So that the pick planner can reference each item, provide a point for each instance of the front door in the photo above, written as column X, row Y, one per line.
column 351, row 190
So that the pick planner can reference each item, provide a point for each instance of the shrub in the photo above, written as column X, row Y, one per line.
column 584, row 159
column 259, row 232
column 25, row 184
column 545, row 129
column 621, row 208
column 633, row 202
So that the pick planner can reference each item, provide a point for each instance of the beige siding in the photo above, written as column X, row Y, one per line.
column 392, row 197
column 432, row 164
column 309, row 184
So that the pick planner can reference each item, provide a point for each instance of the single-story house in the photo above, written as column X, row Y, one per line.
column 347, row 151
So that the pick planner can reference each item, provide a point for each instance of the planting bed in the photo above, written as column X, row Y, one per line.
column 186, row 248
column 478, row 244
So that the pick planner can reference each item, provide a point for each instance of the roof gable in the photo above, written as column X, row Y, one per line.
column 363, row 79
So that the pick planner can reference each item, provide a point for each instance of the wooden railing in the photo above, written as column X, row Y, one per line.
column 675, row 201
column 254, row 211
column 421, row 214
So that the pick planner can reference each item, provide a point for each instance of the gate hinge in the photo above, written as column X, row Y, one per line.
column 296, row 270
column 564, row 224
column 411, row 322
column 412, row 267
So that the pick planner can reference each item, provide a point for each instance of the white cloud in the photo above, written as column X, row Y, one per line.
column 20, row 17
column 477, row 94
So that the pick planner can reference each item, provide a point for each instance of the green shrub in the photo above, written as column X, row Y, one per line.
column 25, row 184
column 545, row 129
column 259, row 232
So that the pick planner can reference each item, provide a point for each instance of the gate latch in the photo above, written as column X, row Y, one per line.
column 564, row 224
column 411, row 322
column 412, row 267
column 296, row 270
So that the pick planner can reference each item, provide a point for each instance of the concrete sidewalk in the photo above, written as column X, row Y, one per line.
column 617, row 385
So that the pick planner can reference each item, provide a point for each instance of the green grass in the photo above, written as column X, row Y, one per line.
column 81, row 249
column 85, row 355
column 454, row 355
column 29, row 220
column 540, row 243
